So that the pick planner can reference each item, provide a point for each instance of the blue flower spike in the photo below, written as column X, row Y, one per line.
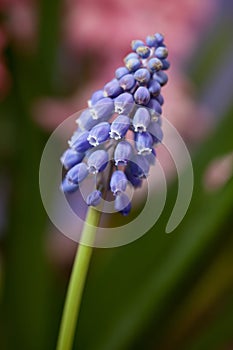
column 119, row 129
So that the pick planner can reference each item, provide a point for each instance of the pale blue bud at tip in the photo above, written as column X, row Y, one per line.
column 122, row 204
column 141, row 120
column 112, row 89
column 77, row 174
column 143, row 51
column 133, row 64
column 94, row 198
column 97, row 161
column 142, row 75
column 161, row 52
column 130, row 55
column 144, row 143
column 120, row 72
column 68, row 186
column 123, row 153
column 136, row 43
column 80, row 143
column 159, row 38
column 99, row 134
column 151, row 41
column 124, row 103
column 70, row 158
column 119, row 127
column 142, row 95
column 118, row 182
column 127, row 82
column 103, row 109
column 154, row 64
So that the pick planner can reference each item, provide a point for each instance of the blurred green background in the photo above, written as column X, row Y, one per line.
column 162, row 291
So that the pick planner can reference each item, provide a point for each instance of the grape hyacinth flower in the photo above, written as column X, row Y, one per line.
column 118, row 131
column 114, row 144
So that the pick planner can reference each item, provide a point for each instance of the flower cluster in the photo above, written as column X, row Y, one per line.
column 121, row 126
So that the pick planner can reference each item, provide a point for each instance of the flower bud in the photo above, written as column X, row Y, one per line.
column 154, row 64
column 154, row 87
column 118, row 182
column 144, row 143
column 86, row 121
column 99, row 134
column 97, row 161
column 70, row 158
column 119, row 127
column 143, row 51
column 112, row 89
column 136, row 43
column 133, row 64
column 139, row 166
column 151, row 41
column 120, row 72
column 142, row 75
column 103, row 109
column 161, row 77
column 94, row 198
column 161, row 52
column 166, row 64
column 159, row 38
column 123, row 153
column 124, row 103
column 142, row 95
column 80, row 143
column 127, row 82
column 130, row 55
column 96, row 96
column 67, row 186
column 77, row 174
column 122, row 204
column 155, row 108
column 141, row 120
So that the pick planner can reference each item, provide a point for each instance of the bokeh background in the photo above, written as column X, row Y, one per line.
column 162, row 291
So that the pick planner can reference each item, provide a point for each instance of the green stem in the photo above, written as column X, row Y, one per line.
column 77, row 282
